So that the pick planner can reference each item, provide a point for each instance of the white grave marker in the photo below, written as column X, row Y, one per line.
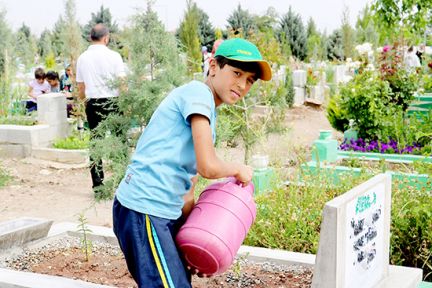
column 355, row 239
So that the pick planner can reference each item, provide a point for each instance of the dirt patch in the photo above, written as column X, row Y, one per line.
column 107, row 266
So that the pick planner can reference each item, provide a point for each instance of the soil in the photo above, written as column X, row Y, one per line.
column 106, row 266
column 61, row 192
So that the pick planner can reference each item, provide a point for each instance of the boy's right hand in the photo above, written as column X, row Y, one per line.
column 244, row 174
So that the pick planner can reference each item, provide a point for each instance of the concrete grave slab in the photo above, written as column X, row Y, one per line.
column 22, row 230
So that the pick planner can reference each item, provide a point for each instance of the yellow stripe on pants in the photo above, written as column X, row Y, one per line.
column 155, row 255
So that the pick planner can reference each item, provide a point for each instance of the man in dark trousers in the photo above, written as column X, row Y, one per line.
column 97, row 67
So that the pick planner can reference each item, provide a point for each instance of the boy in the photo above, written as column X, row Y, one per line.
column 53, row 80
column 37, row 86
column 175, row 146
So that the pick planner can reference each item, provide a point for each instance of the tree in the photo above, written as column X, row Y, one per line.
column 206, row 31
column 104, row 16
column 311, row 29
column 6, row 67
column 348, row 37
column 189, row 37
column 44, row 44
column 314, row 43
column 71, row 34
column 57, row 37
column 155, row 68
column 335, row 46
column 407, row 16
column 268, row 21
column 25, row 46
column 241, row 22
column 292, row 33
column 265, row 39
column 6, row 40
column 366, row 30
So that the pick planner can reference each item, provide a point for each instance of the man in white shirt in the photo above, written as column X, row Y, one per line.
column 97, row 67
column 411, row 60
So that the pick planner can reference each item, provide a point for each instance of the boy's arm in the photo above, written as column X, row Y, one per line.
column 30, row 92
column 189, row 199
column 81, row 90
column 208, row 164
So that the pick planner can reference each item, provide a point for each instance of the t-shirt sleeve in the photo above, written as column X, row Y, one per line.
column 197, row 103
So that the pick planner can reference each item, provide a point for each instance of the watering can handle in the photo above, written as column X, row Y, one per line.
column 250, row 187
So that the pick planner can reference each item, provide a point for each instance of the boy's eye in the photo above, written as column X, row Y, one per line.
column 251, row 81
column 237, row 73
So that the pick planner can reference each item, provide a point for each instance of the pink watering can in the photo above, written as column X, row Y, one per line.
column 217, row 226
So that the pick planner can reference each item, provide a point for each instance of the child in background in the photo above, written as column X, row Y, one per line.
column 66, row 79
column 37, row 87
column 54, row 81
column 152, row 200
column 207, row 59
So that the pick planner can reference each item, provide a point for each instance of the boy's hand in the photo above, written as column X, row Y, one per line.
column 244, row 174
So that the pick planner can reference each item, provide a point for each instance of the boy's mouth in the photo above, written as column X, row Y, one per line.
column 236, row 94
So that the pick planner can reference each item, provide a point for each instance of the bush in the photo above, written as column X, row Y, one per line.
column 411, row 229
column 5, row 177
column 19, row 120
column 366, row 99
column 74, row 141
column 290, row 217
column 336, row 115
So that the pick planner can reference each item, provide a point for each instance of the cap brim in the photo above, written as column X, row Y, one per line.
column 266, row 73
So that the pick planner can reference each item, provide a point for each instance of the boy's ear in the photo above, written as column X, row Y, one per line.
column 212, row 67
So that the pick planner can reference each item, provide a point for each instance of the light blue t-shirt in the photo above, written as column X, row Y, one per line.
column 164, row 161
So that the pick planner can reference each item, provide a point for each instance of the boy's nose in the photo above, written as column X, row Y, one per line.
column 241, row 83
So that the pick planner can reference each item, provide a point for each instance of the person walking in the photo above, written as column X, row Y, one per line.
column 96, row 69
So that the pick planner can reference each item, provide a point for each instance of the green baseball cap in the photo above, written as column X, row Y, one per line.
column 242, row 50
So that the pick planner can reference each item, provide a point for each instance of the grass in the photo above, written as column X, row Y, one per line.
column 4, row 177
column 19, row 120
column 289, row 218
column 75, row 141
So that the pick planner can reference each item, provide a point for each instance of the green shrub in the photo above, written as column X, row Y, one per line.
column 290, row 217
column 427, row 83
column 75, row 141
column 367, row 100
column 335, row 114
column 4, row 177
column 19, row 120
column 411, row 229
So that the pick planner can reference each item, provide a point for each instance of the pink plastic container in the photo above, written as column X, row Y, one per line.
column 217, row 226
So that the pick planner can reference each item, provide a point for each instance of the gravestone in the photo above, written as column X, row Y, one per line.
column 52, row 112
column 299, row 96
column 355, row 239
column 299, row 78
column 339, row 73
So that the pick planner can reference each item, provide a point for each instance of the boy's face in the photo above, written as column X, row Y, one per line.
column 229, row 84
column 53, row 82
column 40, row 80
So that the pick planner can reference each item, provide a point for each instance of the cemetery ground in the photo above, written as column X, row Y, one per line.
column 60, row 192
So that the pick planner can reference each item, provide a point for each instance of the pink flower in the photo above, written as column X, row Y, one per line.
column 386, row 48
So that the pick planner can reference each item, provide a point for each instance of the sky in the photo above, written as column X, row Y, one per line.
column 41, row 14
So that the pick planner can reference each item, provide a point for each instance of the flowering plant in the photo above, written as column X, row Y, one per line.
column 392, row 146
